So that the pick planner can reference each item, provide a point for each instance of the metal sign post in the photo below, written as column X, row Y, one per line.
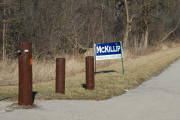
column 122, row 60
column 107, row 51
column 95, row 58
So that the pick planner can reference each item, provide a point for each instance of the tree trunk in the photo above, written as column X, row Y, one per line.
column 146, row 38
column 125, row 39
column 4, row 33
column 102, row 29
column 4, row 41
column 128, row 24
column 126, row 35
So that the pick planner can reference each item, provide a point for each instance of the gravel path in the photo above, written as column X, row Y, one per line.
column 156, row 99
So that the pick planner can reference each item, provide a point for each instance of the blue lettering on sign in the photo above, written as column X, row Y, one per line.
column 108, row 49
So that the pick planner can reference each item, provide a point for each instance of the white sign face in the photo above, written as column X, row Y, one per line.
column 108, row 57
column 26, row 51
column 107, row 51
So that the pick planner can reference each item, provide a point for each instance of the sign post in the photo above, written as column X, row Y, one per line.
column 107, row 51
column 90, row 73
column 95, row 57
column 60, row 75
column 25, row 74
column 122, row 60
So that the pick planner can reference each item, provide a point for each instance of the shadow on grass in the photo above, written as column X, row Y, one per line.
column 2, row 99
column 84, row 85
column 33, row 95
column 105, row 71
column 99, row 72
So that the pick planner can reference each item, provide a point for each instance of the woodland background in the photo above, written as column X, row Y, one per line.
column 73, row 26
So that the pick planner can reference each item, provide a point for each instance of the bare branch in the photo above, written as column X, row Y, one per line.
column 170, row 32
column 133, row 16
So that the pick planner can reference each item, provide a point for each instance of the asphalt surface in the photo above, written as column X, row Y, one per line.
column 156, row 99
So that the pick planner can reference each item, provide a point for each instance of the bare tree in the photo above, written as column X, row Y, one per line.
column 64, row 26
column 171, row 31
column 129, row 20
column 3, row 5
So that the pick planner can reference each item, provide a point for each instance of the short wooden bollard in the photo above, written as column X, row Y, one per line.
column 60, row 75
column 25, row 74
column 90, row 73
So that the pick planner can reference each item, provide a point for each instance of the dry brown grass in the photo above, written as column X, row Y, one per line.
column 43, row 70
column 112, row 83
column 8, row 72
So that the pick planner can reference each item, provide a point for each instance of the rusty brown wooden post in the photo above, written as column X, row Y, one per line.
column 60, row 75
column 25, row 74
column 90, row 73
